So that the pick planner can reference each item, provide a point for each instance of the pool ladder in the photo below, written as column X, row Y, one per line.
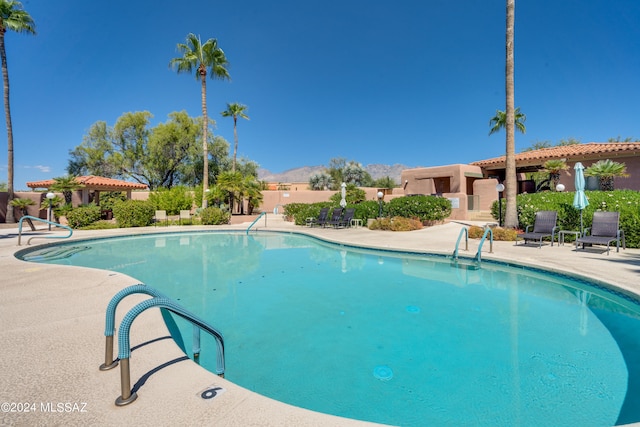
column 477, row 259
column 263, row 214
column 124, row 345
column 30, row 218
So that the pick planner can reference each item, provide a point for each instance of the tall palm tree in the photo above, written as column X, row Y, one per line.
column 511, row 213
column 203, row 58
column 235, row 110
column 499, row 121
column 12, row 17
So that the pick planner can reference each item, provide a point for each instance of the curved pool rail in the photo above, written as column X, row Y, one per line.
column 263, row 214
column 110, row 320
column 29, row 218
column 124, row 346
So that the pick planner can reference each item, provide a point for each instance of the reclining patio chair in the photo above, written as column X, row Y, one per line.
column 345, row 221
column 321, row 220
column 544, row 226
column 604, row 230
column 336, row 216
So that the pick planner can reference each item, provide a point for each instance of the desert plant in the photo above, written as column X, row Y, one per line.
column 83, row 216
column 606, row 171
column 214, row 216
column 110, row 198
column 499, row 233
column 22, row 205
column 66, row 185
column 397, row 223
column 133, row 213
column 554, row 167
column 172, row 200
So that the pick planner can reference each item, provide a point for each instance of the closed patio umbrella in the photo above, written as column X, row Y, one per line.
column 580, row 200
column 343, row 201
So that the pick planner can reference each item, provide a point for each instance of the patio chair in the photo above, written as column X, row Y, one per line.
column 543, row 226
column 336, row 215
column 345, row 221
column 160, row 216
column 604, row 230
column 185, row 215
column 321, row 220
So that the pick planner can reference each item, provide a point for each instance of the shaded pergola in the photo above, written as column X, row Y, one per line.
column 93, row 184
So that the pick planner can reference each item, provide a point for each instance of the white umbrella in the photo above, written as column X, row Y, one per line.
column 580, row 200
column 343, row 202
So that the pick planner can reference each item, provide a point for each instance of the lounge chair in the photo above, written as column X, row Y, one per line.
column 544, row 226
column 185, row 215
column 604, row 230
column 345, row 221
column 160, row 216
column 321, row 220
column 336, row 216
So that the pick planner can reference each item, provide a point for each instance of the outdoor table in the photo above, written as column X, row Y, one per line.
column 561, row 234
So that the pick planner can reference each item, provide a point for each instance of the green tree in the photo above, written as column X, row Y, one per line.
column 354, row 173
column 13, row 18
column 93, row 155
column 606, row 171
column 163, row 156
column 334, row 170
column 320, row 181
column 385, row 182
column 169, row 147
column 66, row 185
column 202, row 58
column 3, row 186
column 554, row 167
column 231, row 183
column 620, row 139
column 511, row 121
column 251, row 192
column 235, row 110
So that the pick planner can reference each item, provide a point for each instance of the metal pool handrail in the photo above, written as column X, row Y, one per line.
column 124, row 346
column 29, row 217
column 110, row 320
column 466, row 242
column 256, row 220
column 489, row 231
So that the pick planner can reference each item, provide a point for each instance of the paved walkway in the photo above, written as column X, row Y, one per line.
column 52, row 326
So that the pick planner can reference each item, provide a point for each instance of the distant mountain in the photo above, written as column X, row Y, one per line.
column 303, row 174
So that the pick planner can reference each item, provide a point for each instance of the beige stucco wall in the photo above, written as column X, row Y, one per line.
column 486, row 190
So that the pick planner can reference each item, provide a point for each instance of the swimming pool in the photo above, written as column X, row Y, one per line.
column 393, row 338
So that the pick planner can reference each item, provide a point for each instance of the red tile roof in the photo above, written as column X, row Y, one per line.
column 574, row 152
column 94, row 183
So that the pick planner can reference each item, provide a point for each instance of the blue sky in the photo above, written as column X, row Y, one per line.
column 410, row 82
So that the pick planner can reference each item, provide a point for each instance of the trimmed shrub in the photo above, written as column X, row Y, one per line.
column 366, row 210
column 83, row 216
column 133, row 213
column 396, row 224
column 499, row 233
column 425, row 208
column 172, row 200
column 214, row 216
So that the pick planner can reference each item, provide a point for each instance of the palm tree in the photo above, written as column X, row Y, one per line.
column 231, row 183
column 498, row 121
column 235, row 110
column 606, row 171
column 202, row 58
column 12, row 17
column 66, row 185
column 511, row 213
column 553, row 167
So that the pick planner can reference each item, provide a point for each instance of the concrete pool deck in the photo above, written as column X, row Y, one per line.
column 52, row 333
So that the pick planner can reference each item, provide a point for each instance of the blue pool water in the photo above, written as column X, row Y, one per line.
column 401, row 339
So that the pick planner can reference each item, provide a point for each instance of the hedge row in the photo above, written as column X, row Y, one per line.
column 627, row 202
